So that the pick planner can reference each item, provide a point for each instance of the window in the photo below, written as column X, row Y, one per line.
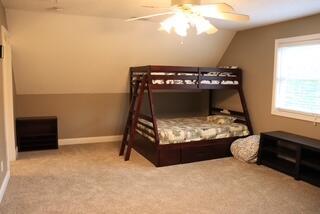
column 296, row 86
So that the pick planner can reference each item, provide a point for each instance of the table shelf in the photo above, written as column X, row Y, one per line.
column 294, row 155
column 37, row 133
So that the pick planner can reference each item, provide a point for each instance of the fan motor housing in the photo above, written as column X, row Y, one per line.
column 182, row 2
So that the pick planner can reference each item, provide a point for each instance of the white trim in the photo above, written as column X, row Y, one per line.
column 274, row 87
column 283, row 112
column 299, row 116
column 8, row 95
column 86, row 140
column 4, row 185
column 298, row 38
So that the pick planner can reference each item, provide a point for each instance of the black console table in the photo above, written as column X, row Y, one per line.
column 291, row 154
column 37, row 133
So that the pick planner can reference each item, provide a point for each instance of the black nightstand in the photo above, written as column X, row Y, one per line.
column 37, row 133
column 292, row 154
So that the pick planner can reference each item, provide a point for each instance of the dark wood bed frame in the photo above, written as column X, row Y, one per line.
column 175, row 78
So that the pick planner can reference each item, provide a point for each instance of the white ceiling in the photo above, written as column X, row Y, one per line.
column 262, row 12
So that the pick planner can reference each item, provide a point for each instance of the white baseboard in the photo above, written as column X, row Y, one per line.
column 86, row 140
column 4, row 185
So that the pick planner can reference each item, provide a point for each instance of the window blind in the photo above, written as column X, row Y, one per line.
column 298, row 77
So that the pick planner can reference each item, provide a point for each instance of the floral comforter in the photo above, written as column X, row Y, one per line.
column 181, row 130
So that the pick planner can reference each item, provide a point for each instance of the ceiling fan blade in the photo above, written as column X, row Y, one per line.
column 228, row 16
column 149, row 16
column 213, row 8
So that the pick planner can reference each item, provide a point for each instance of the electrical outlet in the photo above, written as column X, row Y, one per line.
column 1, row 166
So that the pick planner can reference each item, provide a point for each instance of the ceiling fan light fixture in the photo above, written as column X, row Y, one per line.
column 191, row 13
column 181, row 30
column 181, row 22
column 201, row 24
column 212, row 30
column 178, row 22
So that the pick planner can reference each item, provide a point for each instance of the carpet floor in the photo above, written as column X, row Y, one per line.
column 94, row 179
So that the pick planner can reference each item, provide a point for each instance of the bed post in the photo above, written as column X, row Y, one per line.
column 154, row 119
column 210, row 101
column 131, row 85
column 245, row 109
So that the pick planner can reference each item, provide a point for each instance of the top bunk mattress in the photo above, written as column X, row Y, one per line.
column 182, row 130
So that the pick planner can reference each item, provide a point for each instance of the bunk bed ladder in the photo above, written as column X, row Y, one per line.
column 133, row 116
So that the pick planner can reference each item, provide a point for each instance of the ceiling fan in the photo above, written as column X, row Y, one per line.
column 190, row 13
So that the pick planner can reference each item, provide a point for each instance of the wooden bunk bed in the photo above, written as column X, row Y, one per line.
column 147, row 79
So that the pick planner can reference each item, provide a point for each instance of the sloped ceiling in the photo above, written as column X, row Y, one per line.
column 262, row 12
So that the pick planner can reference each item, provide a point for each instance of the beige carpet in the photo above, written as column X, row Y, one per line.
column 93, row 179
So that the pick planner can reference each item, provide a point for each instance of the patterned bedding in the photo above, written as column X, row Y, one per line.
column 181, row 130
column 193, row 82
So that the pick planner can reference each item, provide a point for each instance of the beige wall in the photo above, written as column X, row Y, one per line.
column 3, row 149
column 77, row 67
column 253, row 51
column 88, row 115
column 67, row 54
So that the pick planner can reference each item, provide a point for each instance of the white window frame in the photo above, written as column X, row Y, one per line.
column 285, row 112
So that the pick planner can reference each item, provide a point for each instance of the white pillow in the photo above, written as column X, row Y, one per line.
column 246, row 149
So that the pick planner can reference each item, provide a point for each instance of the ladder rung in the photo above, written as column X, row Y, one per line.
column 133, row 117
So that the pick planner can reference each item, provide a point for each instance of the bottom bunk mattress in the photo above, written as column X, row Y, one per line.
column 182, row 130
